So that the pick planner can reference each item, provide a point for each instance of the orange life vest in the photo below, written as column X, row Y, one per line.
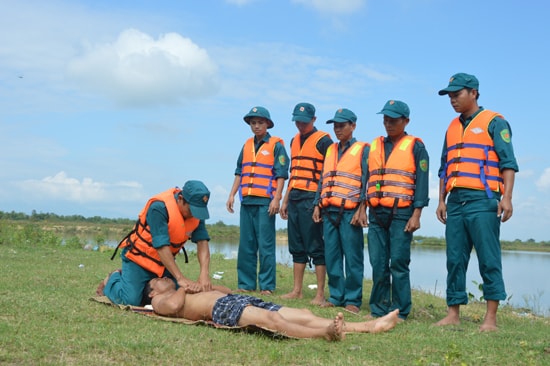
column 392, row 183
column 342, row 178
column 257, row 177
column 471, row 158
column 139, row 240
column 306, row 162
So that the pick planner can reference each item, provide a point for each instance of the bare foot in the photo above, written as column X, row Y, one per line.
column 318, row 300
column 385, row 323
column 292, row 295
column 488, row 327
column 450, row 319
column 102, row 284
column 335, row 331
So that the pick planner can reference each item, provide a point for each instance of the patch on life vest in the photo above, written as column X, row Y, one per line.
column 424, row 165
column 265, row 152
column 477, row 130
column 505, row 135
column 282, row 159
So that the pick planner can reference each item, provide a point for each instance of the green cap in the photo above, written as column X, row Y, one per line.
column 343, row 115
column 259, row 112
column 303, row 112
column 460, row 81
column 196, row 194
column 395, row 109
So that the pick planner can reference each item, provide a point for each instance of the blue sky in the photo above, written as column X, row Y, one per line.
column 105, row 103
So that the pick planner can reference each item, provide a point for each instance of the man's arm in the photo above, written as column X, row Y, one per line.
column 168, row 260
column 170, row 305
column 505, row 208
column 203, row 253
column 276, row 201
column 234, row 189
column 441, row 210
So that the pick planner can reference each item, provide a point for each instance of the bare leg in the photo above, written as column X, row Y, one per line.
column 490, row 322
column 452, row 318
column 296, row 292
column 306, row 318
column 320, row 274
column 274, row 320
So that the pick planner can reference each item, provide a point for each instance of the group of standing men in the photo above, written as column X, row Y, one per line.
column 334, row 191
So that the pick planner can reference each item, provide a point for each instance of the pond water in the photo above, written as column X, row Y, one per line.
column 525, row 273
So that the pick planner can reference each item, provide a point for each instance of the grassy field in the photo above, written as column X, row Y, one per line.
column 47, row 318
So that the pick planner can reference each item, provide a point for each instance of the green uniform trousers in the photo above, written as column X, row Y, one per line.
column 389, row 256
column 257, row 239
column 126, row 288
column 305, row 237
column 473, row 224
column 344, row 242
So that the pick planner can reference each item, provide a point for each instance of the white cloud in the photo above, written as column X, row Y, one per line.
column 296, row 72
column 139, row 70
column 543, row 183
column 64, row 188
column 332, row 7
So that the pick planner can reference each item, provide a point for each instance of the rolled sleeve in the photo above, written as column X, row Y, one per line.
column 200, row 233
column 500, row 131
column 422, row 163
column 282, row 162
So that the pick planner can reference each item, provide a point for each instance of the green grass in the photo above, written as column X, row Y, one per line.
column 47, row 318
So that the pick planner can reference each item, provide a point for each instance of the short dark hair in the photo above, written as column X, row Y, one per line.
column 146, row 299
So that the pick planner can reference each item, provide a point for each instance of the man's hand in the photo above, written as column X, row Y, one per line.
column 190, row 287
column 205, row 283
column 505, row 209
column 229, row 204
column 441, row 212
column 317, row 215
column 360, row 217
column 274, row 206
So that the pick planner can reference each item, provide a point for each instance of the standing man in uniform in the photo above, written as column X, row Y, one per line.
column 477, row 175
column 305, row 237
column 166, row 222
column 338, row 204
column 262, row 168
column 397, row 190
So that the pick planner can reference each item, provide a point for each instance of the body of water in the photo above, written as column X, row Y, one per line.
column 525, row 273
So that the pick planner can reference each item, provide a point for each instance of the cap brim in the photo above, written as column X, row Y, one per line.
column 200, row 213
column 391, row 114
column 450, row 89
column 270, row 125
column 338, row 120
column 302, row 119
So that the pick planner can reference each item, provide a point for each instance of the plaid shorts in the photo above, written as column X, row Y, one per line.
column 228, row 309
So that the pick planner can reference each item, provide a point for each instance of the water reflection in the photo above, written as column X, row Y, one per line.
column 525, row 273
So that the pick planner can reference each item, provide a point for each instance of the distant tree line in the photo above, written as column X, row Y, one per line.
column 51, row 217
column 222, row 231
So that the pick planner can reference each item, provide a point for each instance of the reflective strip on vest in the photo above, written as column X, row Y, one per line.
column 394, row 179
column 342, row 178
column 141, row 250
column 257, row 177
column 306, row 162
column 471, row 158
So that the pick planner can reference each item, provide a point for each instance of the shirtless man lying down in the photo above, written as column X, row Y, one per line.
column 242, row 310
